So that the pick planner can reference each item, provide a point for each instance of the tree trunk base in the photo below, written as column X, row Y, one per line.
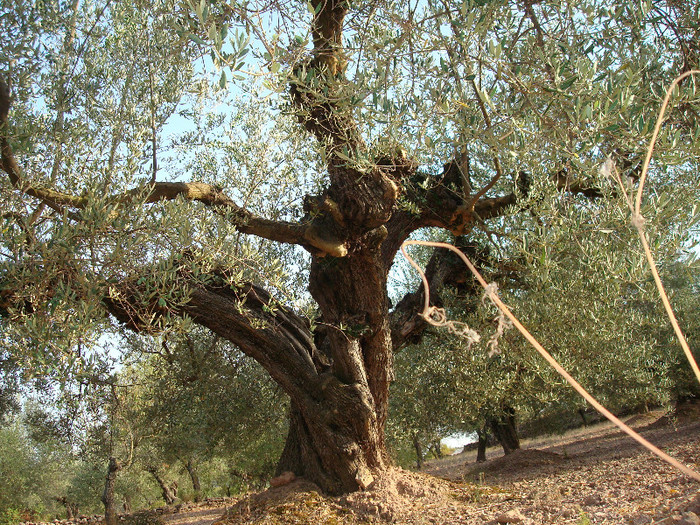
column 505, row 431
column 341, row 449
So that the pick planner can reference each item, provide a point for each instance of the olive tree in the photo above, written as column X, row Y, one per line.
column 198, row 400
column 377, row 120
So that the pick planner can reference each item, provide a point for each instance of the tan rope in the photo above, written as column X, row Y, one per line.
column 638, row 223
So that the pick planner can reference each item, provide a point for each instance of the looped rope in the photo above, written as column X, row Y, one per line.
column 438, row 317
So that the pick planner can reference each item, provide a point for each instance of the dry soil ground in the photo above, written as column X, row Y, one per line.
column 592, row 475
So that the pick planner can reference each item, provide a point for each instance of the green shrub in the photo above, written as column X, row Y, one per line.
column 10, row 516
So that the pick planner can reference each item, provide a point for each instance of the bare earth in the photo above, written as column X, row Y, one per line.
column 595, row 475
column 203, row 516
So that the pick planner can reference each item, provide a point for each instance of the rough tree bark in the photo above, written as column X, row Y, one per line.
column 113, row 468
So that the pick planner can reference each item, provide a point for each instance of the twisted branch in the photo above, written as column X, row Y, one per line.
column 309, row 234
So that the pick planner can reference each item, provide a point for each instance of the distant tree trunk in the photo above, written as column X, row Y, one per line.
column 169, row 492
column 582, row 413
column 504, row 429
column 436, row 449
column 195, row 479
column 108, row 495
column 71, row 508
column 419, row 452
column 481, row 446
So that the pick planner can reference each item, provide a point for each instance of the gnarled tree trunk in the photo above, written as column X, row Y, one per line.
column 169, row 491
column 194, row 477
column 338, row 374
column 342, row 432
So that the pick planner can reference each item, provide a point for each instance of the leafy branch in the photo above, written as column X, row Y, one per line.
column 308, row 234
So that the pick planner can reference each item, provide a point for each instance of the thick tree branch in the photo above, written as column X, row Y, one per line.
column 362, row 194
column 310, row 235
column 441, row 203
column 444, row 206
column 317, row 90
column 242, row 313
column 443, row 269
column 446, row 269
column 567, row 183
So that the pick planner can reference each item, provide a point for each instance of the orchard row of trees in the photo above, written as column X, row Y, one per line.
column 607, row 329
column 249, row 170
column 190, row 419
